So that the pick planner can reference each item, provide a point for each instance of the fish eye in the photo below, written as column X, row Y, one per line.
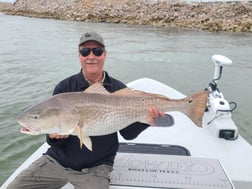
column 35, row 116
column 190, row 101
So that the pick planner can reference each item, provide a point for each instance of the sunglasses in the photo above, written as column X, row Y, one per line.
column 96, row 51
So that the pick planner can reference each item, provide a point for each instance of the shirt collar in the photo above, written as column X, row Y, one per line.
column 83, row 83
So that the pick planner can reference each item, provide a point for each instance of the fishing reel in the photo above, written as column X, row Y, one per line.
column 218, row 107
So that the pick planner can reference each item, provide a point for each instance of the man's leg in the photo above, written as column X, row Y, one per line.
column 93, row 178
column 43, row 173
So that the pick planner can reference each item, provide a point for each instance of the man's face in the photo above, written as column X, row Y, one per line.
column 91, row 63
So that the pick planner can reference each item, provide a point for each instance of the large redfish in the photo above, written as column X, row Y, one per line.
column 98, row 112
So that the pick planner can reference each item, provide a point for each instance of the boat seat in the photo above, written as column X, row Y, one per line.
column 153, row 149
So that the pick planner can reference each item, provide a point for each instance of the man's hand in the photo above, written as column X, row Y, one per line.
column 154, row 113
column 56, row 136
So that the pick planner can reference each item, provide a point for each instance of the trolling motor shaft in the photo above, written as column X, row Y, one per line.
column 216, row 98
column 219, row 107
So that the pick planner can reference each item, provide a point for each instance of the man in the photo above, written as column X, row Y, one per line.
column 64, row 161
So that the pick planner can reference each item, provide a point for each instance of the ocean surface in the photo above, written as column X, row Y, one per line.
column 35, row 54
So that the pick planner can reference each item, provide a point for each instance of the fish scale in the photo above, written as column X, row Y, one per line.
column 97, row 112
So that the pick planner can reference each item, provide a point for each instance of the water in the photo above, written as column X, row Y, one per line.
column 35, row 54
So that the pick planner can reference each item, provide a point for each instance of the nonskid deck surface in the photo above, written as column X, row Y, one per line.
column 168, row 171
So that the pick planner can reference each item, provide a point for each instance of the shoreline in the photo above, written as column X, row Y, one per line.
column 211, row 16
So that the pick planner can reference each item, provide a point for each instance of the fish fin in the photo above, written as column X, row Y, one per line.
column 88, row 143
column 197, row 106
column 80, row 135
column 84, row 140
column 96, row 88
column 133, row 92
column 126, row 92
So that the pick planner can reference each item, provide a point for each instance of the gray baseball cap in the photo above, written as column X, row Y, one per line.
column 91, row 36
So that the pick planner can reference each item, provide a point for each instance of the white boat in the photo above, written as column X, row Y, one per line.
column 179, row 154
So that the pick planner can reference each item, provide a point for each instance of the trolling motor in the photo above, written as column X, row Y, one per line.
column 216, row 98
column 218, row 107
column 219, row 62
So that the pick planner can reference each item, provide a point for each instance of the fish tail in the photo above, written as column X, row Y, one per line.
column 196, row 106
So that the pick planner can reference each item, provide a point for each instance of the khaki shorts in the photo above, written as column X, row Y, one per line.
column 48, row 173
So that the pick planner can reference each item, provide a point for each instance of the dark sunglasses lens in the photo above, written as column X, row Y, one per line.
column 85, row 52
column 97, row 51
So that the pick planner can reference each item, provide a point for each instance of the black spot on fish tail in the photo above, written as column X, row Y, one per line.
column 196, row 107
